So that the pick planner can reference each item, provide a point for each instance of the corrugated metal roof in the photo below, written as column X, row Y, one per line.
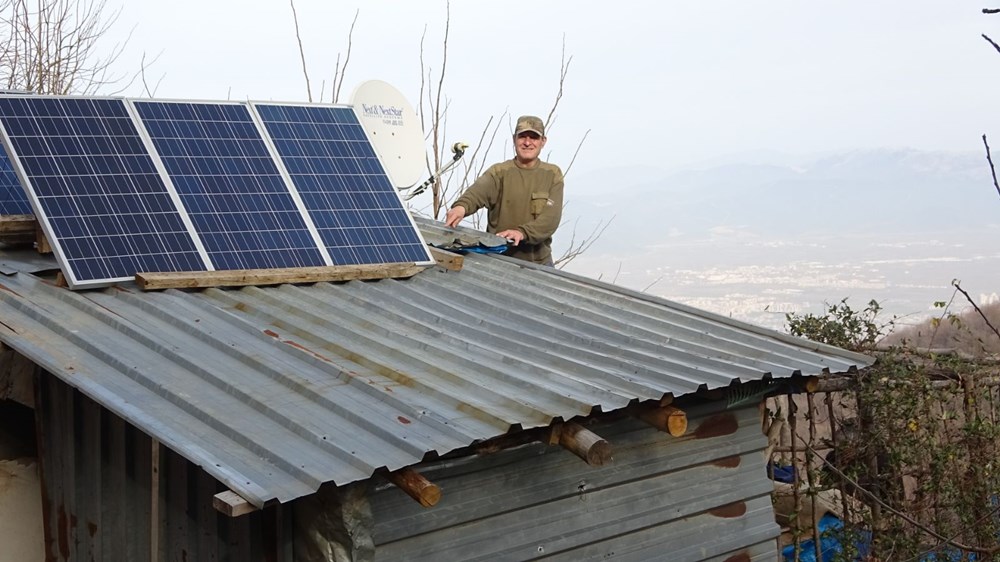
column 276, row 390
column 15, row 260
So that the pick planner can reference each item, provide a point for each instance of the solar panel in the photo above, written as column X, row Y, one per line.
column 333, row 167
column 230, row 185
column 13, row 201
column 103, row 204
column 164, row 186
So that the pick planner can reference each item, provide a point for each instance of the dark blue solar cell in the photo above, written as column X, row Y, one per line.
column 102, row 201
column 342, row 184
column 229, row 184
column 13, row 200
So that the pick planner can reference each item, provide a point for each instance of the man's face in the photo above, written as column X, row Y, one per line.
column 528, row 146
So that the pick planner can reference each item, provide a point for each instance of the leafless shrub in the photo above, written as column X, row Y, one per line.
column 59, row 47
column 967, row 332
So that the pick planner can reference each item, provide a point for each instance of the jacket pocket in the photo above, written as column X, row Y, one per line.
column 538, row 201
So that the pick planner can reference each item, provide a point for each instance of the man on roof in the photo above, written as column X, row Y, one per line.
column 523, row 196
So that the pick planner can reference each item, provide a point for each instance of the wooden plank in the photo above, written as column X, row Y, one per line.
column 90, row 473
column 17, row 224
column 244, row 277
column 232, row 504
column 17, row 229
column 448, row 260
column 154, row 500
column 115, row 490
column 50, row 462
column 210, row 547
column 138, row 485
column 175, row 535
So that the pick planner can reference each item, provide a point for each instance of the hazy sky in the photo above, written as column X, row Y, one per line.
column 661, row 83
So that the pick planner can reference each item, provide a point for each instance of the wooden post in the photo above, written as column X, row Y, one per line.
column 416, row 486
column 41, row 242
column 810, row 480
column 793, row 416
column 671, row 419
column 585, row 444
column 978, row 448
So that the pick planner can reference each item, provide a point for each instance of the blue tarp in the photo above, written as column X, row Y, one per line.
column 832, row 535
column 781, row 473
column 477, row 248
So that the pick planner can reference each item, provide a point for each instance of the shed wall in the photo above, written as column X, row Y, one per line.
column 111, row 493
column 703, row 496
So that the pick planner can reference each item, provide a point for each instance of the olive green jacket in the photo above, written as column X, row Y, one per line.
column 528, row 199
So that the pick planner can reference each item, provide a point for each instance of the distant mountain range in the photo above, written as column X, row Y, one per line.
column 864, row 192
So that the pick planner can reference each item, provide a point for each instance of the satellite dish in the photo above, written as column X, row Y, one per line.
column 393, row 129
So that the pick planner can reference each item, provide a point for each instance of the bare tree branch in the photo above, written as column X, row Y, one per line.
column 995, row 46
column 55, row 46
column 339, row 81
column 993, row 169
column 473, row 165
column 563, row 71
column 578, row 248
column 142, row 71
column 654, row 282
column 575, row 153
column 955, row 283
column 302, row 52
column 989, row 551
column 423, row 83
column 436, row 132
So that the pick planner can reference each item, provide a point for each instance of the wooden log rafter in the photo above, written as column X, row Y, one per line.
column 427, row 493
column 670, row 419
column 592, row 448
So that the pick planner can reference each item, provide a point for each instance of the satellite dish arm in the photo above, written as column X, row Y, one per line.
column 458, row 150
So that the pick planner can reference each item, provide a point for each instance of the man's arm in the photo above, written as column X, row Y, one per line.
column 482, row 193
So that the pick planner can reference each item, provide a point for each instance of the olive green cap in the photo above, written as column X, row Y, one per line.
column 529, row 123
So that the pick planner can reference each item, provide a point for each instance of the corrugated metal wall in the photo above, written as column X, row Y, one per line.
column 98, row 479
column 703, row 496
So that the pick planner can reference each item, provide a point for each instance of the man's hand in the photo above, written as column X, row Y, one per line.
column 454, row 216
column 514, row 235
